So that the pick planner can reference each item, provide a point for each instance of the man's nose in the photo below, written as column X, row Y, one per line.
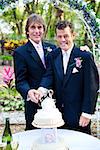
column 36, row 29
column 63, row 39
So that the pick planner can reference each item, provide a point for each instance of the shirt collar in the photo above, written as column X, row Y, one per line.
column 35, row 44
column 68, row 51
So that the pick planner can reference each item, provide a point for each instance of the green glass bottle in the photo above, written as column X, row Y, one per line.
column 8, row 147
column 7, row 136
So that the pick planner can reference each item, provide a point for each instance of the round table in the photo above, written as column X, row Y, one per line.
column 74, row 140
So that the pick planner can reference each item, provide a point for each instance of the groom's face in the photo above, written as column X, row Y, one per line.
column 35, row 32
column 65, row 38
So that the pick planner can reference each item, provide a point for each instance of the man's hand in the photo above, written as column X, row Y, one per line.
column 83, row 121
column 84, row 48
column 40, row 94
column 33, row 95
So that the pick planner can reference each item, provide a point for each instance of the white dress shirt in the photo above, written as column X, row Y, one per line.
column 39, row 49
column 66, row 56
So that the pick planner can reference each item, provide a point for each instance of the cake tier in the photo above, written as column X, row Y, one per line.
column 49, row 119
column 48, row 125
column 60, row 145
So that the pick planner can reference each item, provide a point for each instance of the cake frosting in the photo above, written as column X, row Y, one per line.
column 49, row 116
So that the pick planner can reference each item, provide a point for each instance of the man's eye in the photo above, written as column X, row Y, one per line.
column 59, row 36
column 39, row 27
column 65, row 36
column 33, row 27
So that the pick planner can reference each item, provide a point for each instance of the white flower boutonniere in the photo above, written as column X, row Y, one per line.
column 48, row 50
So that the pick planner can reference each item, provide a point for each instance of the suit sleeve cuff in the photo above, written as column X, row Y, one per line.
column 89, row 116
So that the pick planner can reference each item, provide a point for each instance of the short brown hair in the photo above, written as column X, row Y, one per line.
column 36, row 19
column 63, row 24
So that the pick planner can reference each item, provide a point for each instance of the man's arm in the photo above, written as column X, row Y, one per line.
column 20, row 70
column 91, row 85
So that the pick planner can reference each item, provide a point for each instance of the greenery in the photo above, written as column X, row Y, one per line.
column 16, row 17
column 84, row 14
column 6, row 57
column 10, row 99
column 12, row 102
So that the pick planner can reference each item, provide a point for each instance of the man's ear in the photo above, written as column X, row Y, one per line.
column 74, row 35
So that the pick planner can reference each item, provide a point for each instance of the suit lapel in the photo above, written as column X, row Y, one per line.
column 58, row 64
column 70, row 66
column 34, row 54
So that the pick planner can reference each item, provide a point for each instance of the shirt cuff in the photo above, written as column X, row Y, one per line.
column 43, row 90
column 28, row 98
column 89, row 116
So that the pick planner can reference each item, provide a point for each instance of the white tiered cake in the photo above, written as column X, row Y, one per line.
column 48, row 118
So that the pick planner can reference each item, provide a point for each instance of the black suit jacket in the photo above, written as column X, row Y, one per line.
column 28, row 67
column 29, row 70
column 74, row 92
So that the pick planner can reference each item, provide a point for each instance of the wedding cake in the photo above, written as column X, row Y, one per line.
column 48, row 118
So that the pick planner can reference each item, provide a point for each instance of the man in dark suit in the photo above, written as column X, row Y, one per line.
column 30, row 64
column 73, row 76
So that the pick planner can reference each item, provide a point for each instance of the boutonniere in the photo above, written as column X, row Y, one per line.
column 48, row 50
column 78, row 64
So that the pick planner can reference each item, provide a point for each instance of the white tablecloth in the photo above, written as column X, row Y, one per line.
column 74, row 140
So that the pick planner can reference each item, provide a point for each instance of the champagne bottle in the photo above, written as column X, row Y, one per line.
column 8, row 147
column 7, row 136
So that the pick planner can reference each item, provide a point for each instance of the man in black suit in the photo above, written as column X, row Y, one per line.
column 73, row 76
column 30, row 65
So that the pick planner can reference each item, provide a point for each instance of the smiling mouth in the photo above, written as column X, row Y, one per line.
column 36, row 35
column 64, row 44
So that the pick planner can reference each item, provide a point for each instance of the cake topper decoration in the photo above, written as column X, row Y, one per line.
column 49, row 94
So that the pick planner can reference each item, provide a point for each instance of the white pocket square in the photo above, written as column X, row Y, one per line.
column 74, row 70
